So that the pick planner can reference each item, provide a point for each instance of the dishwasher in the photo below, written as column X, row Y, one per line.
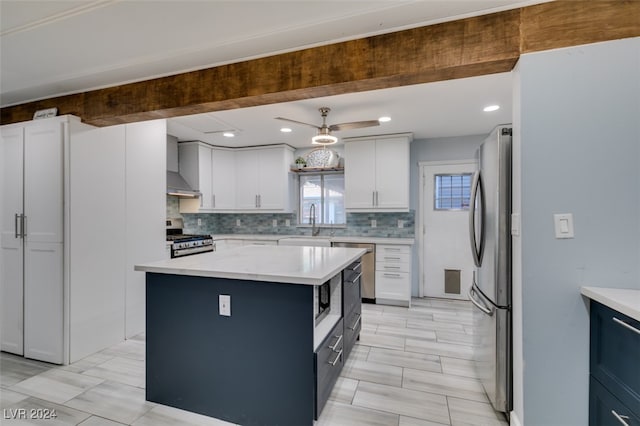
column 368, row 279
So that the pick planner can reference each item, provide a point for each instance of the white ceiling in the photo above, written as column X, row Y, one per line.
column 50, row 48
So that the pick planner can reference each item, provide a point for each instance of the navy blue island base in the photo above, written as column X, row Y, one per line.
column 255, row 367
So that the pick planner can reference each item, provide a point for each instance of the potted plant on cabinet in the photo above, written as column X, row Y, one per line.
column 300, row 162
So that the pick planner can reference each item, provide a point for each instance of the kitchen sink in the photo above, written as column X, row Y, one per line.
column 305, row 241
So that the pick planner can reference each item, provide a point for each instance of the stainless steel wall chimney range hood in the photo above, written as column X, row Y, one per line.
column 176, row 184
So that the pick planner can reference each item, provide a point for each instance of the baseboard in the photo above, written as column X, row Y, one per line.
column 514, row 420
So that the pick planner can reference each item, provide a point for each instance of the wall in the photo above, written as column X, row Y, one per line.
column 580, row 150
column 436, row 149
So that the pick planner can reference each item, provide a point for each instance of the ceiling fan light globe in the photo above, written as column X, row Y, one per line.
column 324, row 140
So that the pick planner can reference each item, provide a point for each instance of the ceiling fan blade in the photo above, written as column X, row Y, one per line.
column 354, row 125
column 297, row 122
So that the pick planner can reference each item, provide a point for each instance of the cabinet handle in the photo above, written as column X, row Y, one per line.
column 377, row 198
column 23, row 226
column 213, row 200
column 624, row 324
column 355, row 324
column 357, row 267
column 391, row 249
column 335, row 345
column 15, row 224
column 373, row 198
column 355, row 280
column 392, row 275
column 620, row 418
column 391, row 258
column 333, row 363
column 259, row 200
column 391, row 267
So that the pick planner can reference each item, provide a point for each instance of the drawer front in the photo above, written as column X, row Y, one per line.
column 393, row 285
column 606, row 410
column 615, row 354
column 329, row 359
column 389, row 250
column 352, row 327
column 352, row 295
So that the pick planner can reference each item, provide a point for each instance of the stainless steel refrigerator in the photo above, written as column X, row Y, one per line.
column 490, row 238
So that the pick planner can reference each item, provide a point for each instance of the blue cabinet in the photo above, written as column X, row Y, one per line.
column 614, row 365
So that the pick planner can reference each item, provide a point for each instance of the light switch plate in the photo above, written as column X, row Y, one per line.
column 400, row 223
column 224, row 302
column 374, row 223
column 563, row 224
column 287, row 222
column 274, row 223
column 238, row 222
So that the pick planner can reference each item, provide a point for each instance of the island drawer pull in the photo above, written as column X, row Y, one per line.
column 391, row 249
column 333, row 363
column 355, row 280
column 335, row 345
column 620, row 418
column 356, row 323
column 624, row 324
column 391, row 267
column 357, row 267
column 391, row 258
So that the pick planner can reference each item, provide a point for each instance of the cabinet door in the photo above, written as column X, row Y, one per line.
column 43, row 182
column 223, row 172
column 392, row 173
column 247, row 180
column 272, row 180
column 205, row 177
column 359, row 174
column 393, row 286
column 43, row 302
column 11, row 247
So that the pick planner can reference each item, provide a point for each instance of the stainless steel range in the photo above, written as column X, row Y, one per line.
column 186, row 244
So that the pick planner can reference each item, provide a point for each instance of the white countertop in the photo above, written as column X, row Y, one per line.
column 285, row 264
column 335, row 239
column 623, row 300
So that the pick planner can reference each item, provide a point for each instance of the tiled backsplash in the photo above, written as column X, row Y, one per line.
column 358, row 224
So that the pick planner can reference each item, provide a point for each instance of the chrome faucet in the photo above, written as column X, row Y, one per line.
column 312, row 219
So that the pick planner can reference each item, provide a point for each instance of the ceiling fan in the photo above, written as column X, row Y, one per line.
column 324, row 136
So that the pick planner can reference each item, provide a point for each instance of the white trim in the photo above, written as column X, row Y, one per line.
column 422, row 165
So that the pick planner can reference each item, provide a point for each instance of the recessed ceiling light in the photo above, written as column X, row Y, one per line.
column 384, row 119
column 491, row 108
column 228, row 134
column 285, row 130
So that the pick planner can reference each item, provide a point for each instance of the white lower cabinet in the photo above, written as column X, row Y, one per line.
column 43, row 302
column 393, row 274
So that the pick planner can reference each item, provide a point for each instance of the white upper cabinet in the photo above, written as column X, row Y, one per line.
column 263, row 178
column 223, row 188
column 377, row 173
column 195, row 166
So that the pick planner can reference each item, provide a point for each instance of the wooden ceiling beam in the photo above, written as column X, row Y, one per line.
column 469, row 47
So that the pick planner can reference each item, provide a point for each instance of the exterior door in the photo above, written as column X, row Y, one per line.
column 447, row 263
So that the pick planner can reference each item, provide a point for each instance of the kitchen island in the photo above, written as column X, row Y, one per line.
column 259, row 357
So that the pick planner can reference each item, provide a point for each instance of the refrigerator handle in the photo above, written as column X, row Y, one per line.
column 479, row 305
column 477, row 247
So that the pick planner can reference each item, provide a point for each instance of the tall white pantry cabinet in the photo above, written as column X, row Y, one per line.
column 52, row 228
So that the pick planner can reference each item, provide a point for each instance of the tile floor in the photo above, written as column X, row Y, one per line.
column 411, row 368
